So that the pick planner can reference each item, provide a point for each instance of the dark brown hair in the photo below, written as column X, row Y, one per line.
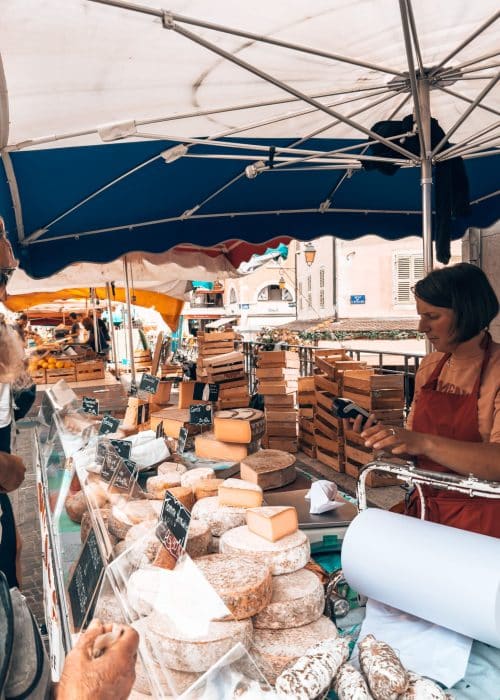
column 466, row 290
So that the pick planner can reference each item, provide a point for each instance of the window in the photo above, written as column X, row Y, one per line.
column 232, row 296
column 322, row 288
column 301, row 297
column 273, row 293
column 408, row 269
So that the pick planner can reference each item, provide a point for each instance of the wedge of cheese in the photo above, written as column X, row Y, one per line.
column 240, row 425
column 208, row 447
column 240, row 494
column 173, row 420
column 273, row 522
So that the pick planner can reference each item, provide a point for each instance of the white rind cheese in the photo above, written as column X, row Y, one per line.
column 218, row 518
column 274, row 650
column 244, row 585
column 190, row 477
column 298, row 599
column 285, row 556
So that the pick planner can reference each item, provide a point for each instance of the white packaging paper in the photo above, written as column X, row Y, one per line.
column 322, row 496
column 441, row 574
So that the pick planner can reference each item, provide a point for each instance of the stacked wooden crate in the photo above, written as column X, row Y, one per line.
column 142, row 360
column 228, row 371
column 306, row 400
column 330, row 366
column 278, row 372
column 89, row 370
column 383, row 395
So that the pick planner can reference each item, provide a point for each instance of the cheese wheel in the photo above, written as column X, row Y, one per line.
column 190, row 477
column 298, row 599
column 240, row 494
column 119, row 548
column 107, row 609
column 206, row 488
column 218, row 518
column 157, row 485
column 199, row 539
column 285, row 556
column 182, row 652
column 207, row 446
column 183, row 494
column 244, row 585
column 274, row 650
column 270, row 469
column 242, row 425
column 123, row 516
column 311, row 675
column 76, row 505
column 167, row 467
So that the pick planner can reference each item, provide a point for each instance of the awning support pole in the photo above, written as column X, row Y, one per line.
column 93, row 299
column 114, row 349
column 133, row 385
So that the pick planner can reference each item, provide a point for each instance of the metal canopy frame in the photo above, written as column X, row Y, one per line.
column 416, row 84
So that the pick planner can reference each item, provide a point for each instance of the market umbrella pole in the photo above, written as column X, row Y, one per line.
column 133, row 386
column 94, row 318
column 112, row 330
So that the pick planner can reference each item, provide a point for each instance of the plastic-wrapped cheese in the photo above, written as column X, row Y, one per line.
column 285, row 556
column 196, row 654
column 274, row 650
column 244, row 585
column 218, row 518
column 190, row 477
column 298, row 599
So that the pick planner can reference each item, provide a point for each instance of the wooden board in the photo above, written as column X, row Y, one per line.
column 156, row 355
column 323, row 383
column 284, row 400
column 228, row 358
column 368, row 382
column 277, row 387
column 276, row 372
column 327, row 444
column 278, row 358
column 216, row 337
column 309, row 450
column 306, row 411
column 283, row 416
column 306, row 384
column 331, row 460
column 306, row 426
column 324, row 429
column 378, row 399
column 284, row 444
column 89, row 370
column 278, row 429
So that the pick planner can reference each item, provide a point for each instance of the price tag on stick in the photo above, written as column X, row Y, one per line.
column 149, row 383
column 200, row 414
column 90, row 405
column 108, row 425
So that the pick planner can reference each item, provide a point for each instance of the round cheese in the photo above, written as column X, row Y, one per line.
column 274, row 650
column 108, row 609
column 206, row 488
column 182, row 652
column 76, row 505
column 157, row 485
column 244, row 585
column 168, row 467
column 285, row 556
column 190, row 477
column 124, row 515
column 298, row 599
column 145, row 534
column 199, row 539
column 218, row 518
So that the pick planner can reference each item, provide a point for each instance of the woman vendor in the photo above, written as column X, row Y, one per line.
column 454, row 422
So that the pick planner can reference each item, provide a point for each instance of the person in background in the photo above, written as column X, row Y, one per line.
column 88, row 327
column 104, row 337
column 454, row 423
column 76, row 327
column 20, row 325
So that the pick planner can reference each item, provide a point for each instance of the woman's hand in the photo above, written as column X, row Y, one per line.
column 356, row 424
column 398, row 441
column 110, row 676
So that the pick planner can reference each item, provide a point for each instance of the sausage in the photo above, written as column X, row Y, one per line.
column 422, row 689
column 387, row 679
column 349, row 684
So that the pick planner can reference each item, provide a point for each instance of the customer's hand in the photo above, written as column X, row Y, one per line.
column 12, row 472
column 110, row 676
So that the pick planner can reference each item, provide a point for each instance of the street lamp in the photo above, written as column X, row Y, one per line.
column 281, row 282
column 309, row 254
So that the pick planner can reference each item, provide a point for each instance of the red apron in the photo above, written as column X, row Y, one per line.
column 452, row 416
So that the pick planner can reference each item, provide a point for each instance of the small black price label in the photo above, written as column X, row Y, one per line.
column 108, row 425
column 149, row 383
column 160, row 430
column 200, row 414
column 90, row 405
column 173, row 526
column 205, row 392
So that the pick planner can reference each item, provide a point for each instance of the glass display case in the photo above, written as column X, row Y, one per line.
column 102, row 558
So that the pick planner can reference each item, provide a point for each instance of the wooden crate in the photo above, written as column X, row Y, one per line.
column 323, row 383
column 38, row 376
column 374, row 479
column 375, row 392
column 285, row 444
column 278, row 358
column 93, row 369
column 357, row 456
column 54, row 375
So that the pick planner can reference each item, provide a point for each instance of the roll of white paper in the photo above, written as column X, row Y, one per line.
column 441, row 574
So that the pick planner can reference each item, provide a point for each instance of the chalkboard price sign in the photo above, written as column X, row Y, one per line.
column 85, row 581
column 173, row 526
column 122, row 447
column 181, row 442
column 90, row 405
column 149, row 383
column 125, row 476
column 108, row 425
column 200, row 414
column 205, row 392
column 160, row 430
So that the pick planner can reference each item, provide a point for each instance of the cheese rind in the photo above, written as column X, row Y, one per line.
column 274, row 650
column 244, row 585
column 240, row 426
column 218, row 518
column 208, row 447
column 192, row 476
column 270, row 469
column 196, row 654
column 240, row 494
column 199, row 539
column 284, row 556
column 273, row 522
column 298, row 599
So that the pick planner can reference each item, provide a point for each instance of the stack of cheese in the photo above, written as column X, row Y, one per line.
column 277, row 372
column 307, row 399
column 236, row 434
column 228, row 371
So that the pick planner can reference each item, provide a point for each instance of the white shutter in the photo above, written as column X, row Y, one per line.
column 322, row 288
column 409, row 268
column 300, row 299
